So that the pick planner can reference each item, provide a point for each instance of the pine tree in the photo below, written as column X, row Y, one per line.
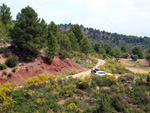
column 77, row 32
column 26, row 34
column 53, row 28
column 5, row 14
column 73, row 40
column 85, row 45
column 43, row 33
column 51, row 47
column 65, row 45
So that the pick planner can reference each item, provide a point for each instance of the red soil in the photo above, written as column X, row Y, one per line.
column 35, row 68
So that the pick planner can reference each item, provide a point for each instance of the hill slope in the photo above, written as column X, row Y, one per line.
column 114, row 39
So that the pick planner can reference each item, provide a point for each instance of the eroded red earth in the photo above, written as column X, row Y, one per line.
column 35, row 68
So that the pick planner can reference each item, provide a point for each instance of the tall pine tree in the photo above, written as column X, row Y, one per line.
column 51, row 47
column 85, row 45
column 65, row 46
column 77, row 32
column 43, row 33
column 73, row 40
column 53, row 28
column 5, row 14
column 26, row 34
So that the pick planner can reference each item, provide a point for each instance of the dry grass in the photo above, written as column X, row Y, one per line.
column 141, row 65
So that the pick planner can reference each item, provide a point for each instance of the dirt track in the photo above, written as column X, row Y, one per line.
column 100, row 62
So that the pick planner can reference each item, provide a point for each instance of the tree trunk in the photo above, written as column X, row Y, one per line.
column 149, row 62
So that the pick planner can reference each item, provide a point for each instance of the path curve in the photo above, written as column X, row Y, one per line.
column 100, row 62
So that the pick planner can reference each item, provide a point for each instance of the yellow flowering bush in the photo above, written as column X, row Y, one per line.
column 40, row 101
column 112, row 79
column 130, row 87
column 73, row 72
column 72, row 106
column 113, row 66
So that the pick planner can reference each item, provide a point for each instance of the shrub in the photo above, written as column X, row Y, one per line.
column 148, row 78
column 139, row 82
column 134, row 57
column 90, row 66
column 12, row 61
column 7, row 55
column 73, row 72
column 124, row 55
column 78, row 62
column 10, row 74
column 4, row 73
column 14, row 70
column 1, row 50
column 2, row 66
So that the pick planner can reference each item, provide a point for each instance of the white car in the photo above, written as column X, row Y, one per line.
column 102, row 73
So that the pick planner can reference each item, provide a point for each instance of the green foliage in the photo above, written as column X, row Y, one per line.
column 116, row 53
column 5, row 14
column 10, row 74
column 107, row 48
column 77, row 32
column 7, row 55
column 14, row 70
column 43, row 33
column 147, row 55
column 102, row 51
column 134, row 57
column 65, row 45
column 137, row 51
column 26, row 34
column 73, row 40
column 97, row 47
column 124, row 48
column 148, row 78
column 12, row 61
column 1, row 50
column 2, row 66
column 4, row 73
column 52, row 46
column 85, row 45
column 116, row 103
column 124, row 55
column 52, row 27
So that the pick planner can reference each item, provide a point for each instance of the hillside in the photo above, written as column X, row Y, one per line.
column 116, row 40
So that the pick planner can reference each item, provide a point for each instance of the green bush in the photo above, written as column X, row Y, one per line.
column 14, row 70
column 78, row 62
column 139, row 82
column 10, row 74
column 2, row 66
column 7, row 55
column 12, row 61
column 4, row 73
column 1, row 50
column 124, row 55
column 134, row 57
column 148, row 78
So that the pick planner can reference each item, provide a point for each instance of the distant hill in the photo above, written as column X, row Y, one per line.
column 116, row 40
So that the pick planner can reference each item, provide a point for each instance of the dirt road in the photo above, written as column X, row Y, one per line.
column 100, row 62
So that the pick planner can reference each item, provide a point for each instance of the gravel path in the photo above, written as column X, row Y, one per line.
column 100, row 62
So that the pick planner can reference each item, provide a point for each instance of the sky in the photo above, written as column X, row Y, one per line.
column 130, row 17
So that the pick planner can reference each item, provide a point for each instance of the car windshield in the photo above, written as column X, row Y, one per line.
column 97, row 69
column 101, row 72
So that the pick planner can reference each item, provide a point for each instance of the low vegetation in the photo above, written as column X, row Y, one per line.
column 91, row 93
